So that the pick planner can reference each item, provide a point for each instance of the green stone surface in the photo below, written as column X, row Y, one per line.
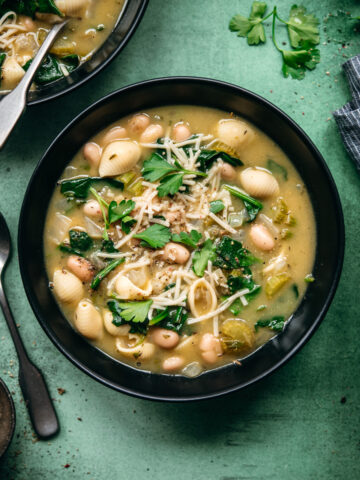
column 292, row 425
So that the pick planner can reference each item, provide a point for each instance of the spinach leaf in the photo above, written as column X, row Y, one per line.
column 295, row 289
column 50, row 69
column 207, row 158
column 80, row 240
column 105, row 271
column 126, row 223
column 232, row 255
column 108, row 246
column 2, row 59
column 275, row 323
column 238, row 283
column 71, row 251
column 79, row 187
column 276, row 168
column 252, row 205
column 172, row 318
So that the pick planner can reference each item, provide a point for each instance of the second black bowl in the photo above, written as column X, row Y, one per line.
column 329, row 250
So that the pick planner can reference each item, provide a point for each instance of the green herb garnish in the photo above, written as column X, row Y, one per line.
column 202, row 256
column 29, row 7
column 231, row 255
column 216, row 206
column 276, row 168
column 303, row 36
column 309, row 278
column 170, row 176
column 252, row 205
column 104, row 272
column 275, row 323
column 172, row 318
column 79, row 187
column 207, row 158
column 191, row 239
column 155, row 236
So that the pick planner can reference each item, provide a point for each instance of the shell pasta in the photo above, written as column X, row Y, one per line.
column 179, row 239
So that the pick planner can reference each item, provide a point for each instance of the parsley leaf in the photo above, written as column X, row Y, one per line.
column 275, row 323
column 251, row 27
column 302, row 27
column 104, row 272
column 295, row 62
column 231, row 254
column 191, row 239
column 117, row 212
column 170, row 176
column 126, row 223
column 252, row 205
column 216, row 206
column 170, row 184
column 156, row 167
column 201, row 257
column 129, row 312
column 155, row 236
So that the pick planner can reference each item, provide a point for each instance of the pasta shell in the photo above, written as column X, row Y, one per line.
column 119, row 157
column 143, row 351
column 71, row 7
column 113, row 329
column 88, row 320
column 259, row 183
column 234, row 133
column 11, row 73
column 67, row 287
column 202, row 298
column 127, row 290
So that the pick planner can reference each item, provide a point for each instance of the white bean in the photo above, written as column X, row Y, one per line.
column 138, row 123
column 81, row 267
column 152, row 133
column 116, row 133
column 92, row 209
column 261, row 237
column 181, row 132
column 165, row 338
column 172, row 363
column 227, row 172
column 210, row 347
column 92, row 153
column 175, row 253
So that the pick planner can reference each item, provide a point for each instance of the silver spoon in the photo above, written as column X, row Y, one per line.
column 32, row 383
column 13, row 105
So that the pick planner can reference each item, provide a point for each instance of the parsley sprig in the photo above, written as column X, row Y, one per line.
column 156, row 236
column 170, row 176
column 303, row 34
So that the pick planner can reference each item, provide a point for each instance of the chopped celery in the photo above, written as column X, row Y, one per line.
column 136, row 188
column 286, row 233
column 237, row 335
column 275, row 283
column 127, row 178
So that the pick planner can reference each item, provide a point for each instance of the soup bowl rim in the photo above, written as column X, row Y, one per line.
column 12, row 421
column 294, row 349
column 47, row 92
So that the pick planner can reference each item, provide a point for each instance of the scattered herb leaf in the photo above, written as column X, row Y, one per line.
column 191, row 239
column 155, row 236
column 202, row 256
column 217, row 206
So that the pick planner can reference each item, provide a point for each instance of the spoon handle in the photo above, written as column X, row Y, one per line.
column 32, row 383
column 12, row 106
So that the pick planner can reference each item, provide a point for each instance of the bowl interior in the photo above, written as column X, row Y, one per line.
column 125, row 26
column 305, row 157
column 7, row 418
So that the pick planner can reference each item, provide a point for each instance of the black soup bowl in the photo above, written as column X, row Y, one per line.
column 329, row 248
column 125, row 26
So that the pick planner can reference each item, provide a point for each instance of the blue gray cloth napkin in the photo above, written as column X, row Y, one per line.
column 348, row 117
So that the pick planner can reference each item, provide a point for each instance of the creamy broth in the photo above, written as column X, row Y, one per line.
column 253, row 301
column 21, row 36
